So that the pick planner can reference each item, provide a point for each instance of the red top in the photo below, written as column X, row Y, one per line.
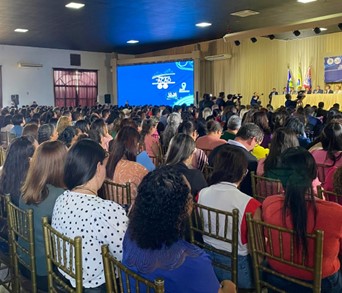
column 328, row 219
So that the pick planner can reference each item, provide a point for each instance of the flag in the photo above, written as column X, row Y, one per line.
column 289, row 81
column 299, row 79
column 307, row 80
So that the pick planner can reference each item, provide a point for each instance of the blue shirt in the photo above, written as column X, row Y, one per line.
column 145, row 160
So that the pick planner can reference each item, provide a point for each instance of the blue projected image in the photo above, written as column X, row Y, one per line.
column 169, row 83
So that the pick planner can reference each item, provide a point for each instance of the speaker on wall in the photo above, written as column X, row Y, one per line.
column 107, row 99
column 15, row 99
column 75, row 59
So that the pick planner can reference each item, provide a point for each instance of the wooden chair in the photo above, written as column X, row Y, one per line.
column 5, row 257
column 126, row 278
column 220, row 225
column 2, row 155
column 207, row 171
column 263, row 187
column 264, row 246
column 65, row 254
column 329, row 195
column 119, row 193
column 21, row 232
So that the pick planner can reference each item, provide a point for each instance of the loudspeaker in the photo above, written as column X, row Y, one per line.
column 196, row 98
column 15, row 99
column 75, row 59
column 107, row 99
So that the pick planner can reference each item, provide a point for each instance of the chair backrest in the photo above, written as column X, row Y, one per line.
column 329, row 195
column 274, row 243
column 119, row 193
column 21, row 237
column 207, row 171
column 5, row 255
column 263, row 186
column 65, row 254
column 127, row 279
column 220, row 225
column 2, row 155
column 6, row 138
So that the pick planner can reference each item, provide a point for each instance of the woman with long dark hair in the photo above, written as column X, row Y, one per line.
column 299, row 210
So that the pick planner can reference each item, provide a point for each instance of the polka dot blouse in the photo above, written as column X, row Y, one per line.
column 98, row 222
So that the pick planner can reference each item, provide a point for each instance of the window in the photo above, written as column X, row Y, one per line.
column 75, row 87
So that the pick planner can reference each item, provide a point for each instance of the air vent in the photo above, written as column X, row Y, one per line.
column 245, row 13
column 29, row 65
column 218, row 57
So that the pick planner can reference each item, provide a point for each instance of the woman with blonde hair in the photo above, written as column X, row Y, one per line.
column 43, row 184
column 62, row 123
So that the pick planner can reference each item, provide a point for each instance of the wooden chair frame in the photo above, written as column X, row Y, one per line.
column 65, row 254
column 265, row 185
column 20, row 224
column 114, row 269
column 261, row 247
column 119, row 193
column 231, row 219
column 6, row 262
column 329, row 195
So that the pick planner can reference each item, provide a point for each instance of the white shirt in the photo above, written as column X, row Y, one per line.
column 98, row 222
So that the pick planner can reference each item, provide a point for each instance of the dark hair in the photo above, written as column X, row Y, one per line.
column 260, row 119
column 81, row 162
column 146, row 127
column 233, row 157
column 180, row 148
column 295, row 124
column 30, row 130
column 98, row 125
column 45, row 132
column 250, row 130
column 331, row 138
column 15, row 166
column 7, row 120
column 337, row 180
column 18, row 119
column 213, row 126
column 186, row 127
column 301, row 171
column 282, row 139
column 161, row 208
column 125, row 145
column 67, row 135
column 82, row 125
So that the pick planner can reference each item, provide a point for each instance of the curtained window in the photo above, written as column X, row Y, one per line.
column 75, row 87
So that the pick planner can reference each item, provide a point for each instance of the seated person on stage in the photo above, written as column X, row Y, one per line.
column 317, row 90
column 153, row 245
column 328, row 90
column 299, row 210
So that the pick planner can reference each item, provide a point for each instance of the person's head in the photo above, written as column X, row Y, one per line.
column 124, row 146
column 321, row 105
column 100, row 126
column 234, row 123
column 16, row 165
column 249, row 135
column 188, row 127
column 260, row 119
column 86, row 161
column 82, row 125
column 46, row 167
column 282, row 139
column 7, row 120
column 214, row 127
column 288, row 97
column 233, row 157
column 47, row 132
column 180, row 149
column 161, row 210
column 300, row 170
column 62, row 123
column 331, row 138
column 69, row 135
column 206, row 113
column 296, row 125
column 18, row 119
column 148, row 126
column 30, row 130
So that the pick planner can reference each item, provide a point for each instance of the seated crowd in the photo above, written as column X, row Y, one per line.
column 60, row 158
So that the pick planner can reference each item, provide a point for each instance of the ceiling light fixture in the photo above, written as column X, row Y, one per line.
column 21, row 30
column 132, row 42
column 271, row 37
column 323, row 29
column 317, row 30
column 74, row 5
column 237, row 43
column 245, row 13
column 203, row 24
column 306, row 1
column 296, row 33
column 254, row 40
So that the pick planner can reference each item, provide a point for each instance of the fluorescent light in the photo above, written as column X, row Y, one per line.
column 74, row 5
column 132, row 42
column 203, row 24
column 245, row 13
column 21, row 30
column 323, row 29
column 306, row 1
